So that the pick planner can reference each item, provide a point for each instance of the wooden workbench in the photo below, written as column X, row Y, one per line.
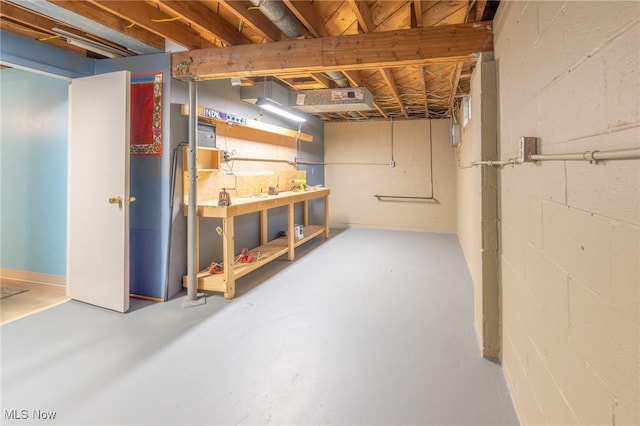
column 269, row 250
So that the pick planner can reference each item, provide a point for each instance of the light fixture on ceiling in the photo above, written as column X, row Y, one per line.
column 91, row 45
column 94, row 49
column 276, row 109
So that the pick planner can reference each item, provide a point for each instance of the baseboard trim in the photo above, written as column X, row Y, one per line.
column 139, row 296
column 33, row 277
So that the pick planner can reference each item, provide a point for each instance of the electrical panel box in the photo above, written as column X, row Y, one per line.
column 455, row 134
column 206, row 135
column 528, row 147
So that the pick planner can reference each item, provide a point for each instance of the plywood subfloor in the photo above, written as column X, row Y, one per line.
column 38, row 297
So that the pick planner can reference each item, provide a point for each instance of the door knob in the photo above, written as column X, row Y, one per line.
column 132, row 199
column 116, row 200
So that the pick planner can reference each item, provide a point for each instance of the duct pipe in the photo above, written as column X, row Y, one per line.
column 280, row 15
column 623, row 154
column 192, row 219
column 338, row 78
column 282, row 18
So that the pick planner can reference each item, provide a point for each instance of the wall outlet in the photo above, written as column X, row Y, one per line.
column 392, row 163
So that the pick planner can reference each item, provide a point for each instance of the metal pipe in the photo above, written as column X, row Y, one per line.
column 313, row 163
column 495, row 163
column 269, row 160
column 623, row 154
column 192, row 229
column 338, row 78
column 405, row 197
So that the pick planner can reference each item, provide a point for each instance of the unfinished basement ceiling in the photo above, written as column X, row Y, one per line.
column 401, row 90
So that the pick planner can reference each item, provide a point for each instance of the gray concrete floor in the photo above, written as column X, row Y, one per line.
column 368, row 327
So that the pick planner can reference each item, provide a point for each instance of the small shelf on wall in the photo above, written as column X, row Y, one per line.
column 208, row 159
column 251, row 129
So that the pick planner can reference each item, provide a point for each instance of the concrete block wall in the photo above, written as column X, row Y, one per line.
column 357, row 167
column 569, row 73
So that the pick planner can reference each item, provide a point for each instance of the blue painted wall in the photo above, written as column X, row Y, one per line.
column 33, row 157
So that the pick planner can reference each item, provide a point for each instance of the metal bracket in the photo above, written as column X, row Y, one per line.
column 528, row 147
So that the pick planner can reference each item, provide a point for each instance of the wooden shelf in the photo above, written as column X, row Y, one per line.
column 268, row 253
column 252, row 129
column 208, row 159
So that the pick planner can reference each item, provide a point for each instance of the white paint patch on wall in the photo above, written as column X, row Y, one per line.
column 357, row 167
column 570, row 232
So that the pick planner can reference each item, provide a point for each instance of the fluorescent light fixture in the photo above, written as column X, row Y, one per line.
column 91, row 45
column 269, row 106
column 93, row 49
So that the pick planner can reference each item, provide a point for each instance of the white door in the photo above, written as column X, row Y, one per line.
column 98, row 191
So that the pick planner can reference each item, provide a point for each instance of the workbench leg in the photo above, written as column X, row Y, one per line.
column 305, row 212
column 264, row 227
column 228, row 257
column 326, row 217
column 290, row 233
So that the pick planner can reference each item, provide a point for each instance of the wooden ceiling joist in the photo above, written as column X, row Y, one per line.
column 391, row 82
column 455, row 78
column 363, row 14
column 416, row 14
column 415, row 46
column 136, row 14
column 423, row 85
column 201, row 18
column 116, row 23
column 307, row 15
column 247, row 13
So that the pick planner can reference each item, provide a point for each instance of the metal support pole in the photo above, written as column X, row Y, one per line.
column 192, row 226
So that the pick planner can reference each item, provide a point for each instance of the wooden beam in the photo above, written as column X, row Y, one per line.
column 140, row 14
column 454, row 87
column 206, row 21
column 416, row 14
column 423, row 84
column 417, row 46
column 250, row 15
column 116, row 23
column 307, row 15
column 391, row 82
column 363, row 14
